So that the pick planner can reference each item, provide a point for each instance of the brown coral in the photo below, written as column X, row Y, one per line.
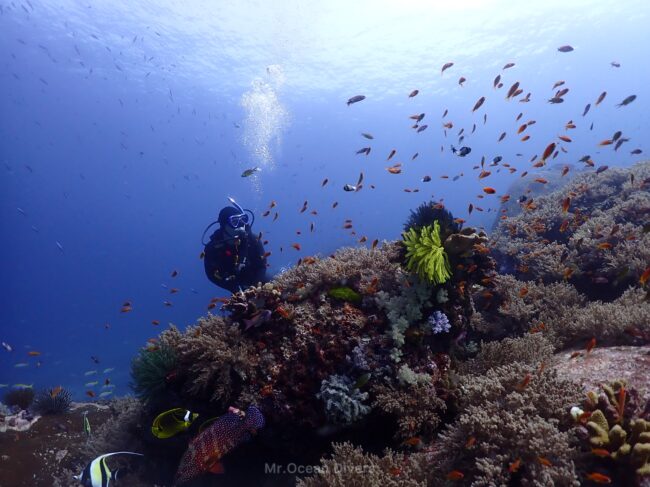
column 417, row 408
column 349, row 465
column 512, row 414
column 216, row 358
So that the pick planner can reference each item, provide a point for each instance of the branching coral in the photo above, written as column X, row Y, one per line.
column 512, row 415
column 349, row 465
column 150, row 370
column 530, row 349
column 417, row 408
column 403, row 310
column 425, row 254
column 598, row 243
column 52, row 401
column 439, row 322
column 566, row 315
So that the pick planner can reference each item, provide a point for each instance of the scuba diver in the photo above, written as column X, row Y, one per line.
column 234, row 257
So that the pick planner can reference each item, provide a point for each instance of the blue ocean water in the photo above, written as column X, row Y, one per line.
column 125, row 125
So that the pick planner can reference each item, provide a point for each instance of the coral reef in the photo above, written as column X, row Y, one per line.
column 19, row 397
column 606, row 364
column 599, row 243
column 425, row 254
column 347, row 342
column 52, row 401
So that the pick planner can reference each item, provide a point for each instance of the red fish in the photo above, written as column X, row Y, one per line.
column 599, row 478
column 645, row 276
column 206, row 450
column 590, row 346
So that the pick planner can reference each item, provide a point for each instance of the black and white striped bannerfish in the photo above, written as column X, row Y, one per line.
column 97, row 473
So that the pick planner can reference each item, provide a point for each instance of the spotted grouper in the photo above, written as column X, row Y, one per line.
column 206, row 450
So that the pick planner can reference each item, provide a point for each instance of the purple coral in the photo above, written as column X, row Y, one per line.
column 439, row 322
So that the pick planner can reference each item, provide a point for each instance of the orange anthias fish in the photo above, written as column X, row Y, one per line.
column 33, row 353
column 565, row 204
column 591, row 344
column 524, row 383
column 489, row 190
column 455, row 475
column 514, row 466
column 224, row 435
column 600, row 452
column 599, row 478
column 645, row 276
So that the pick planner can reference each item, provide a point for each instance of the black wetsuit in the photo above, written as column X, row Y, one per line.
column 231, row 263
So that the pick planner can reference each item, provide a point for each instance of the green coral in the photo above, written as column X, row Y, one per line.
column 345, row 294
column 426, row 255
column 149, row 371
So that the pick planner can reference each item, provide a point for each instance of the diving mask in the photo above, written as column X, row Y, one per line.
column 240, row 220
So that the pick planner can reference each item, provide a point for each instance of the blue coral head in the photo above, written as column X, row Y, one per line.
column 254, row 418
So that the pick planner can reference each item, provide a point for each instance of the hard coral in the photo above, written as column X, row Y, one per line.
column 416, row 408
column 349, row 465
column 615, row 425
column 598, row 243
column 511, row 415
column 567, row 316
column 216, row 358
column 425, row 254
column 343, row 400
